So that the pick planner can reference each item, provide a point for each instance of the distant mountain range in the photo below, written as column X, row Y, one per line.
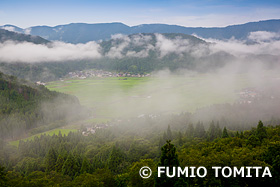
column 82, row 32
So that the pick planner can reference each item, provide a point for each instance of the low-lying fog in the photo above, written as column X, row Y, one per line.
column 255, row 65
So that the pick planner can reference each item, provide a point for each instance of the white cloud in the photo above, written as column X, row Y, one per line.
column 138, row 46
column 120, row 42
column 240, row 48
column 262, row 36
column 121, row 46
column 9, row 28
column 27, row 31
column 56, row 51
column 179, row 46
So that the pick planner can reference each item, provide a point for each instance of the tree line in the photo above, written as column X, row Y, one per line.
column 114, row 156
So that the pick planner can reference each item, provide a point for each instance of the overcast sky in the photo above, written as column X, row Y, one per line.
column 190, row 13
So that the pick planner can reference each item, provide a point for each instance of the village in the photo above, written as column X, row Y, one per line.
column 248, row 95
column 93, row 128
column 100, row 74
column 92, row 73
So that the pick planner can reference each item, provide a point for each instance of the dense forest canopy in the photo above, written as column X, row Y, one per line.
column 25, row 106
column 113, row 156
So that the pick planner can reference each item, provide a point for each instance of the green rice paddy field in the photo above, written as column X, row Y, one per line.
column 131, row 96
column 50, row 133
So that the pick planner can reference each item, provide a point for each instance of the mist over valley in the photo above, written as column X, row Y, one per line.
column 88, row 104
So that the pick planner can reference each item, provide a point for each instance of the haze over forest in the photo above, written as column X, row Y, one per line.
column 228, row 63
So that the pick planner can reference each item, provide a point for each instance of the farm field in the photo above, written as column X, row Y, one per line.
column 131, row 97
column 50, row 133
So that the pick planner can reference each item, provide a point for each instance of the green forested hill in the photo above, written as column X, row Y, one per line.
column 114, row 156
column 136, row 54
column 18, row 37
column 24, row 106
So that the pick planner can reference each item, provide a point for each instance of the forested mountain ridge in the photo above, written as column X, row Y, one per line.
column 25, row 106
column 137, row 54
column 82, row 32
column 133, row 54
column 147, row 52
column 6, row 35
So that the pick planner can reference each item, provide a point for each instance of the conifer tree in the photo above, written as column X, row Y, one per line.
column 70, row 167
column 169, row 133
column 85, row 166
column 180, row 139
column 211, row 131
column 59, row 163
column 50, row 160
column 190, row 130
column 168, row 158
column 225, row 133
column 115, row 160
column 199, row 130
column 261, row 131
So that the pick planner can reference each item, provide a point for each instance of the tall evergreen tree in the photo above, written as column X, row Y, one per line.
column 168, row 158
column 218, row 130
column 50, row 160
column 59, row 163
column 199, row 130
column 190, row 130
column 261, row 131
column 169, row 133
column 85, row 166
column 70, row 167
column 225, row 133
column 180, row 139
column 211, row 133
column 115, row 160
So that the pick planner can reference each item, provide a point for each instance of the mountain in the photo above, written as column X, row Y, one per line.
column 136, row 53
column 237, row 31
column 25, row 107
column 12, row 28
column 82, row 32
column 147, row 52
column 6, row 35
column 141, row 54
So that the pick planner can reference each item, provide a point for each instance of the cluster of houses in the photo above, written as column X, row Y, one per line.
column 151, row 116
column 92, row 129
column 40, row 83
column 101, row 74
column 90, row 73
column 248, row 95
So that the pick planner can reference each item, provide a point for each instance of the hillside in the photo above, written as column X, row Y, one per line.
column 147, row 52
column 114, row 155
column 136, row 53
column 6, row 35
column 25, row 106
column 82, row 32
